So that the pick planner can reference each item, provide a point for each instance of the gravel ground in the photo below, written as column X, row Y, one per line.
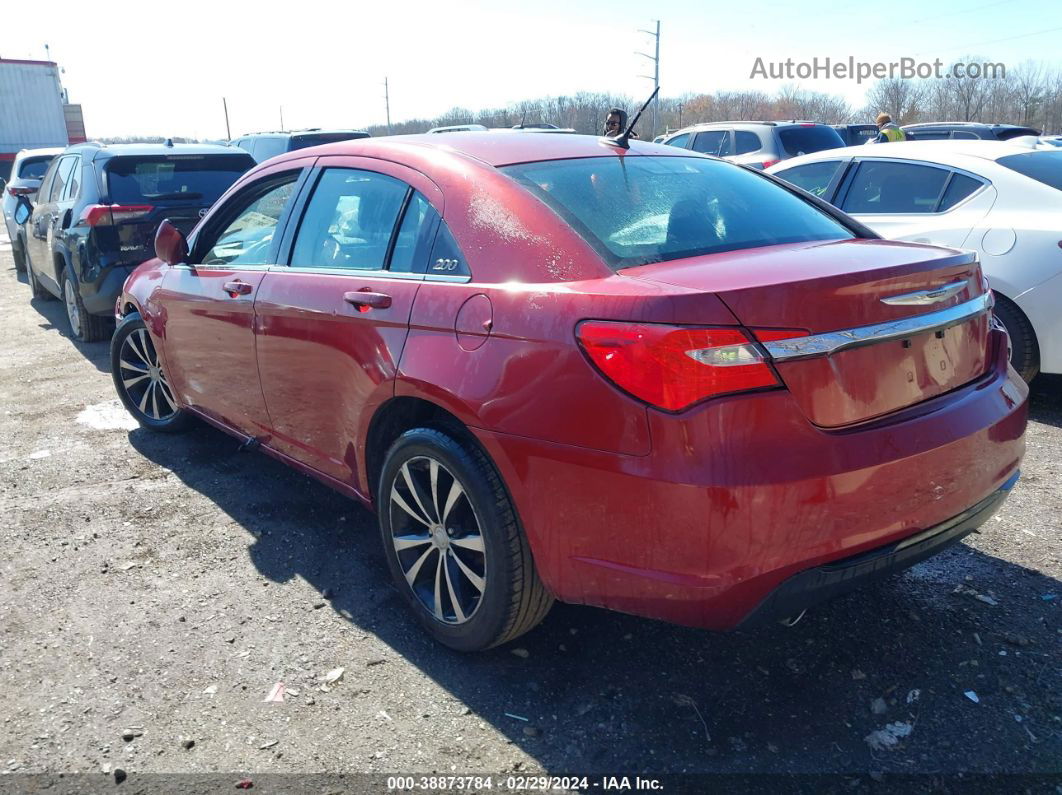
column 156, row 589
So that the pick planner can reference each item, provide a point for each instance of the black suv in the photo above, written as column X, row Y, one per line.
column 265, row 145
column 97, row 211
column 969, row 130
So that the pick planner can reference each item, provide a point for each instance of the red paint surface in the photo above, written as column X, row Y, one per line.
column 690, row 516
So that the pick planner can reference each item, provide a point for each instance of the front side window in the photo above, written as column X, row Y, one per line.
column 349, row 220
column 248, row 238
column 712, row 142
column 639, row 210
column 815, row 178
column 901, row 188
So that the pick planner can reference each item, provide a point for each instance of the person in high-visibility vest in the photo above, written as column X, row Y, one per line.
column 888, row 131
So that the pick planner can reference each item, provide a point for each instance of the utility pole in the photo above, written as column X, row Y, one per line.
column 387, row 105
column 282, row 118
column 228, row 132
column 655, row 58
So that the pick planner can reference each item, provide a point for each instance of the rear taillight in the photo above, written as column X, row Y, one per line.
column 671, row 367
column 19, row 191
column 772, row 334
column 769, row 163
column 111, row 214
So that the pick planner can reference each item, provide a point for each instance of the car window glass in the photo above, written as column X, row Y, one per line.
column 958, row 189
column 1044, row 166
column 894, row 188
column 446, row 257
column 33, row 168
column 349, row 220
column 73, row 185
column 638, row 210
column 713, row 142
column 803, row 139
column 269, row 146
column 815, row 178
column 178, row 178
column 247, row 240
column 410, row 254
column 46, row 183
column 679, row 140
column 963, row 134
column 61, row 176
column 745, row 142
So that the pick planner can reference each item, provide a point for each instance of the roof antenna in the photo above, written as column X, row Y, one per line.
column 624, row 141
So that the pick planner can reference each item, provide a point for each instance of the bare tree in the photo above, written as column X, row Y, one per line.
column 900, row 98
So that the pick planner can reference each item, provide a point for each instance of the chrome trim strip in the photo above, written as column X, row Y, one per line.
column 836, row 341
column 925, row 297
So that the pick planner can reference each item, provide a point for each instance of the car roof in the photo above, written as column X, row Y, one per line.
column 48, row 151
column 979, row 124
column 516, row 146
column 106, row 151
column 947, row 152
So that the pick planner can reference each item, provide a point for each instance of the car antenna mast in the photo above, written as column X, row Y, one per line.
column 624, row 141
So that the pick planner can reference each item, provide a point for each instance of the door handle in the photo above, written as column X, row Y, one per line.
column 365, row 300
column 237, row 288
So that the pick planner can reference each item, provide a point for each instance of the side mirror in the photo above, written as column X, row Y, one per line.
column 170, row 244
column 23, row 210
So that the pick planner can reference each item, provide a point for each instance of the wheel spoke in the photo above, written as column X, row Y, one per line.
column 148, row 348
column 475, row 543
column 397, row 499
column 455, row 493
column 433, row 467
column 128, row 382
column 134, row 368
column 408, row 542
column 438, row 582
column 136, row 350
column 453, row 596
column 165, row 390
column 413, row 490
column 154, row 399
column 144, row 401
column 414, row 570
column 473, row 578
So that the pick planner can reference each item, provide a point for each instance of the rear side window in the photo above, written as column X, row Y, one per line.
column 73, row 183
column 446, row 257
column 269, row 146
column 801, row 140
column 192, row 178
column 712, row 142
column 958, row 189
column 815, row 178
column 1045, row 167
column 349, row 220
column 62, row 174
column 639, row 210
column 885, row 187
column 679, row 140
column 410, row 254
column 33, row 167
column 746, row 142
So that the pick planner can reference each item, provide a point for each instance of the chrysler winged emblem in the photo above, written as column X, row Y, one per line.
column 925, row 297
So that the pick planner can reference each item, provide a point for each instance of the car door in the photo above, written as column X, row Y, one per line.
column 208, row 304
column 41, row 224
column 332, row 325
column 919, row 202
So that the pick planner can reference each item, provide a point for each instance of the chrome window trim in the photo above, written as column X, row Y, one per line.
column 836, row 341
column 370, row 274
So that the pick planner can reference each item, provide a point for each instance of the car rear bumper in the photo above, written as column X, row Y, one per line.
column 815, row 585
column 741, row 494
column 99, row 296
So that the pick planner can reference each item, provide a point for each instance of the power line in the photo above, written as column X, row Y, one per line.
column 995, row 41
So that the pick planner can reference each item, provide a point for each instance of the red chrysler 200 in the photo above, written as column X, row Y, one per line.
column 557, row 368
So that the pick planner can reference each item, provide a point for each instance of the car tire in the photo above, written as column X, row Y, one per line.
column 1024, row 350
column 37, row 291
column 83, row 326
column 140, row 381
column 18, row 256
column 485, row 590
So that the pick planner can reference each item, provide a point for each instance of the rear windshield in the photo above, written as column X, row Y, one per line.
column 149, row 180
column 34, row 167
column 303, row 141
column 1045, row 166
column 638, row 210
column 805, row 140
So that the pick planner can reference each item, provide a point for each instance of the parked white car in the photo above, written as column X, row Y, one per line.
column 26, row 174
column 1000, row 199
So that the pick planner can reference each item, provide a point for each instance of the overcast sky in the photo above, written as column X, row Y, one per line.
column 137, row 70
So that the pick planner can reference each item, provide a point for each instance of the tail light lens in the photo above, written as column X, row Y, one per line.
column 23, row 191
column 672, row 367
column 769, row 163
column 112, row 214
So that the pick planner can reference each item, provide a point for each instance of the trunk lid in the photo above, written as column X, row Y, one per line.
column 820, row 288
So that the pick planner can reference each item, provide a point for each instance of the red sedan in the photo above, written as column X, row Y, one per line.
column 557, row 368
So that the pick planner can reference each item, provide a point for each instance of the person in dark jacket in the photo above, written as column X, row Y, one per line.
column 888, row 131
column 616, row 123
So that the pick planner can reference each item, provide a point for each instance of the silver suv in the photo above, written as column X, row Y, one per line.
column 759, row 144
